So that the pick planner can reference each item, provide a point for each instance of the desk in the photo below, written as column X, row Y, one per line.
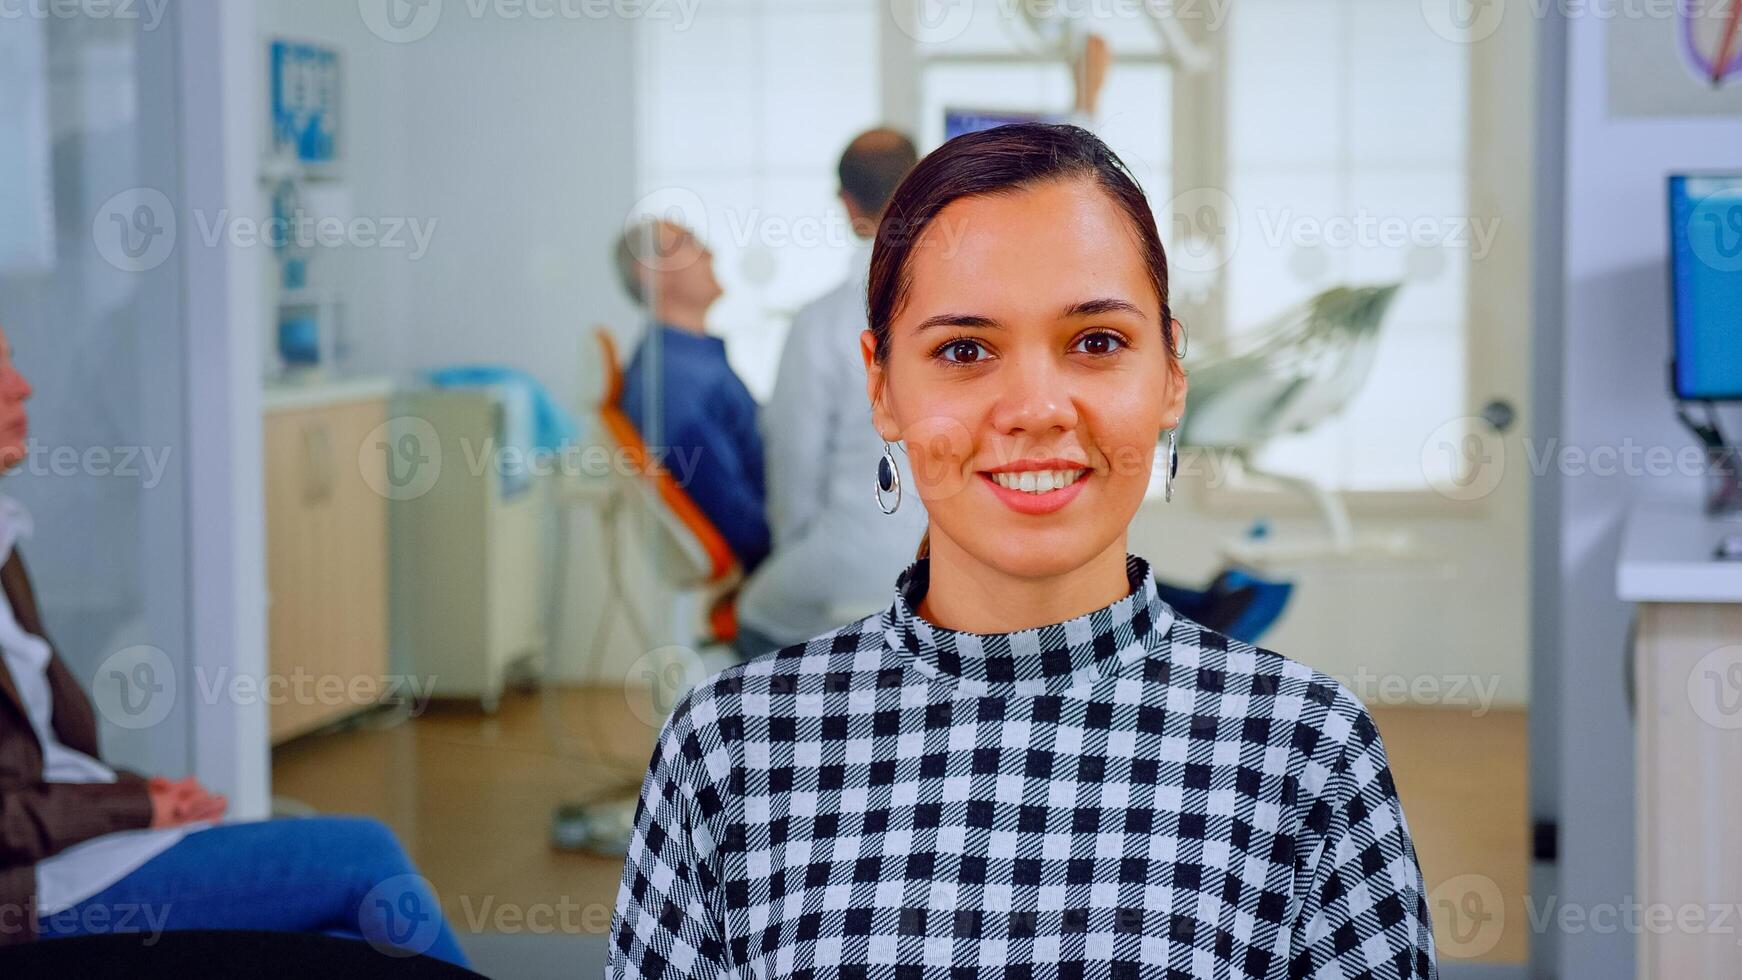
column 1687, row 740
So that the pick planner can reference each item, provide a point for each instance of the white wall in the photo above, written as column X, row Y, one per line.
column 511, row 139
column 1612, row 342
column 519, row 137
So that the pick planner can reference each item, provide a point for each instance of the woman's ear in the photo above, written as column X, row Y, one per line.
column 1176, row 385
column 877, row 389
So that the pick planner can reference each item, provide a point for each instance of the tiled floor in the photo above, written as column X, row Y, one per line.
column 471, row 796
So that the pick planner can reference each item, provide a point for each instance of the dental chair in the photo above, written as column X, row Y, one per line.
column 643, row 514
column 1291, row 374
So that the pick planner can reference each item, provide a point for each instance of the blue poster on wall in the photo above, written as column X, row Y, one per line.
column 305, row 102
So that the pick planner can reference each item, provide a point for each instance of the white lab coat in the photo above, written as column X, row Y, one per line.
column 836, row 555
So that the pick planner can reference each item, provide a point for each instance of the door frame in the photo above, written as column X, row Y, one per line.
column 216, row 58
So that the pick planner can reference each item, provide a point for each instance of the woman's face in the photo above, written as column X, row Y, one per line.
column 14, row 420
column 1028, row 376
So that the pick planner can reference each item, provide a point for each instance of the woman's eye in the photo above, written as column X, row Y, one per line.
column 1099, row 342
column 963, row 351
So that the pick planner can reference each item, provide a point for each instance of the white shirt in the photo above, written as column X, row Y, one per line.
column 836, row 555
column 83, row 870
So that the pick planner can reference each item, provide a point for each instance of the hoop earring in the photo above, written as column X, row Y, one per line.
column 1172, row 462
column 888, row 480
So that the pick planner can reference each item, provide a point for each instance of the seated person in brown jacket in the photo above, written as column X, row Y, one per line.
column 86, row 848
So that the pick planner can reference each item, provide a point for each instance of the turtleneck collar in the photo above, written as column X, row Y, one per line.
column 1051, row 658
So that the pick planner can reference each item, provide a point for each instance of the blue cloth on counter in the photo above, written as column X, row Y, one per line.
column 550, row 425
column 705, row 432
column 532, row 420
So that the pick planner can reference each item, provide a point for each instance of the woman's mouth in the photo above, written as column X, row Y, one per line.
column 1036, row 491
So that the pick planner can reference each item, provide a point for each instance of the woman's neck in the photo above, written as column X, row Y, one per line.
column 970, row 596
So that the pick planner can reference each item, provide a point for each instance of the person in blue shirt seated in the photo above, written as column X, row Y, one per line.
column 690, row 407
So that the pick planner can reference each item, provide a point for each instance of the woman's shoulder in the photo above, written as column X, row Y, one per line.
column 1314, row 713
column 823, row 664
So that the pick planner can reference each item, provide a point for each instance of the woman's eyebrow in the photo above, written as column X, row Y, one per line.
column 958, row 320
column 1101, row 307
column 1088, row 307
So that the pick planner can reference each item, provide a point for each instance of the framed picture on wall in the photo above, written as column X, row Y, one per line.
column 307, row 93
column 1681, row 66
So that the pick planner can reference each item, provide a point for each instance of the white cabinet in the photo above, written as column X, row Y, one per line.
column 468, row 563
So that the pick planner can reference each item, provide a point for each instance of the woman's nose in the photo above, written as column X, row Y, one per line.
column 1036, row 398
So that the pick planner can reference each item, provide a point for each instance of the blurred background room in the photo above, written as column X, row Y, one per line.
column 351, row 324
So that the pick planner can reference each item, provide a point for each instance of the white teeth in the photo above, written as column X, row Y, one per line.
column 1038, row 481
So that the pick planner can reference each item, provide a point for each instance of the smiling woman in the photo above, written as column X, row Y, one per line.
column 1029, row 763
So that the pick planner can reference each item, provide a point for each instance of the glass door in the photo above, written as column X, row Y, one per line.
column 90, row 300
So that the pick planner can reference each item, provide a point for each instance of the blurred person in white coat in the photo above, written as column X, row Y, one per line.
column 835, row 551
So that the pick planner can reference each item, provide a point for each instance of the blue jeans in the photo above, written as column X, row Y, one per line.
column 345, row 876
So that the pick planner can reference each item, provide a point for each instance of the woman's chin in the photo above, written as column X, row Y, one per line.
column 1039, row 553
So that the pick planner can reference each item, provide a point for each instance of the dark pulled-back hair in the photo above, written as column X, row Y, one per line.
column 1002, row 160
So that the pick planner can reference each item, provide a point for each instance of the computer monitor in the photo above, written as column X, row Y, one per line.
column 1705, row 221
column 959, row 121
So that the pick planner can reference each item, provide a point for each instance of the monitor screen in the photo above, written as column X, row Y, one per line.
column 959, row 121
column 1705, row 221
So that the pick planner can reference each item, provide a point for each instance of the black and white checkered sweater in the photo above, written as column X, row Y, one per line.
column 1127, row 794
